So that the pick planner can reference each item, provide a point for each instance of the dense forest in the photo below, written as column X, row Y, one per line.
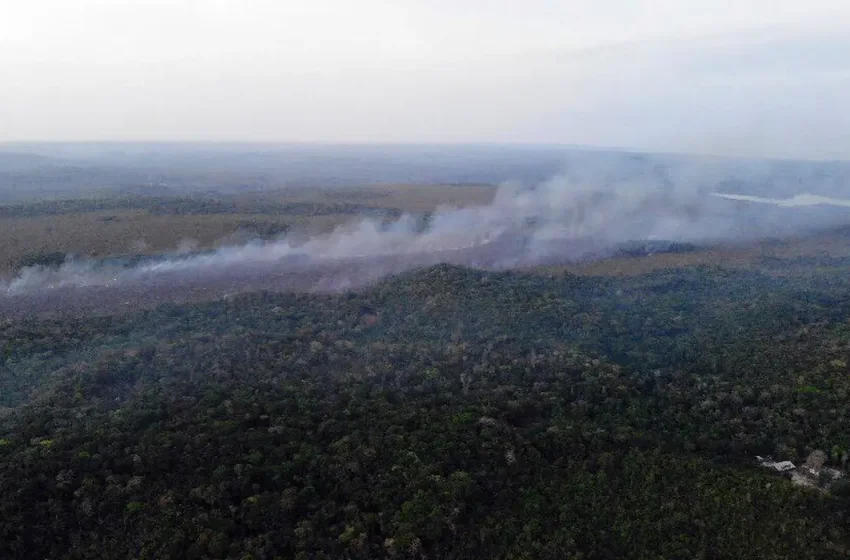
column 444, row 413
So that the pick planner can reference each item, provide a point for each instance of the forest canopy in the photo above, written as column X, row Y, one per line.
column 444, row 413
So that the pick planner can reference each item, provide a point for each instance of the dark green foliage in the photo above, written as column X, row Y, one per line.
column 200, row 204
column 263, row 228
column 52, row 259
column 446, row 413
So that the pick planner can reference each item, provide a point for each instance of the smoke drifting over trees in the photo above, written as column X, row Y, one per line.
column 586, row 212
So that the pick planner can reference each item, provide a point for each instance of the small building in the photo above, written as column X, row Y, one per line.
column 783, row 466
column 780, row 467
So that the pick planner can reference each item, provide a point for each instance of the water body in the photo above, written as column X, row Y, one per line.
column 805, row 199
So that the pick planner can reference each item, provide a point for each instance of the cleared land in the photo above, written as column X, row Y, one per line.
column 149, row 225
column 45, row 232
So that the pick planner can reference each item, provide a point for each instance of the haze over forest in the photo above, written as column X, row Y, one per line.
column 552, row 204
column 424, row 279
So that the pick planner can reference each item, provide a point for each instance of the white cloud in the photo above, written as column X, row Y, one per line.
column 757, row 77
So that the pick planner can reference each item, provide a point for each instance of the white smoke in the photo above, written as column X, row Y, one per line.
column 568, row 217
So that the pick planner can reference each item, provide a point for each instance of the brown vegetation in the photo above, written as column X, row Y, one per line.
column 122, row 231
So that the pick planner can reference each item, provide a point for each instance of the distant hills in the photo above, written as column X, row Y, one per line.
column 62, row 169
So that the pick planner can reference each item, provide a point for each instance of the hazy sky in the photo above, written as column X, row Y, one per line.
column 748, row 77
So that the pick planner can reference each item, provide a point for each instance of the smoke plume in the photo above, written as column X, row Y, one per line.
column 577, row 215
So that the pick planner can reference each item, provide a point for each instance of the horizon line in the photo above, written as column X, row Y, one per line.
column 415, row 144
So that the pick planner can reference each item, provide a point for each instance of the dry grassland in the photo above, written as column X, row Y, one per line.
column 121, row 232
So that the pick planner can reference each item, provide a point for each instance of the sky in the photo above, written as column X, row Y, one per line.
column 746, row 77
